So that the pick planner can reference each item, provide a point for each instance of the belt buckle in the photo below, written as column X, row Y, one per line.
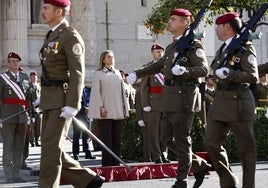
column 65, row 87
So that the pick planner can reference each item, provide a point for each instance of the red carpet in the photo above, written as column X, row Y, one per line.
column 140, row 171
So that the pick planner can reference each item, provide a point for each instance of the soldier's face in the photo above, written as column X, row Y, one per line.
column 221, row 32
column 176, row 25
column 51, row 14
column 157, row 54
column 13, row 65
column 33, row 78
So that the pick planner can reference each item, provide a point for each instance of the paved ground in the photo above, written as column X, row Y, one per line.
column 211, row 181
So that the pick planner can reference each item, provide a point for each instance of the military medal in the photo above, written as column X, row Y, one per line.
column 55, row 47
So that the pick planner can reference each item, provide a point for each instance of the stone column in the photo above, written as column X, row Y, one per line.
column 15, row 28
column 1, row 36
column 83, row 19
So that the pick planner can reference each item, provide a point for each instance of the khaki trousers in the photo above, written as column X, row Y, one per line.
column 54, row 161
column 216, row 134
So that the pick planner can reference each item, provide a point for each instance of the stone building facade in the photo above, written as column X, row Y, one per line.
column 103, row 24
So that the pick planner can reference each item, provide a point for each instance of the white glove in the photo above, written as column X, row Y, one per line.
column 141, row 123
column 68, row 112
column 131, row 78
column 147, row 109
column 178, row 70
column 222, row 73
column 266, row 115
column 28, row 120
column 36, row 102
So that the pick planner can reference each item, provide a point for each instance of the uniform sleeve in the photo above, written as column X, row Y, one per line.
column 197, row 65
column 75, row 55
column 248, row 71
column 144, row 89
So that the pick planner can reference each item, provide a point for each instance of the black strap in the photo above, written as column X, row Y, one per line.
column 222, row 47
column 48, row 33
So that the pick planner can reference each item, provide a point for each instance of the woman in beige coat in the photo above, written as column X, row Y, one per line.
column 108, row 105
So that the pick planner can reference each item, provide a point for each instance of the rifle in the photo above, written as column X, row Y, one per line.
column 237, row 44
column 186, row 41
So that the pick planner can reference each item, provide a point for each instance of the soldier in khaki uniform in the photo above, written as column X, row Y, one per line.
column 36, row 116
column 151, row 95
column 209, row 94
column 262, row 91
column 233, row 108
column 63, row 71
column 181, row 97
column 13, row 93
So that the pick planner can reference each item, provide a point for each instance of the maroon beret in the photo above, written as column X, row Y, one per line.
column 209, row 76
column 59, row 3
column 33, row 73
column 180, row 12
column 263, row 74
column 14, row 55
column 226, row 17
column 157, row 47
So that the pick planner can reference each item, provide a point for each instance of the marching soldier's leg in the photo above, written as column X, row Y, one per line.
column 215, row 138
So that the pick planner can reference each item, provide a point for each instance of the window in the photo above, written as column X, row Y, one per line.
column 36, row 6
column 143, row 3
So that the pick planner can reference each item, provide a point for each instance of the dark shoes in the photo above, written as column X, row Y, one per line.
column 199, row 176
column 37, row 144
column 165, row 160
column 76, row 157
column 89, row 156
column 25, row 167
column 96, row 182
column 158, row 161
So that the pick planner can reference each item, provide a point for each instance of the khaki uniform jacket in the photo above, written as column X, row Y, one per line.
column 138, row 106
column 34, row 92
column 6, row 91
column 179, row 98
column 231, row 105
column 154, row 100
column 63, row 56
column 262, row 95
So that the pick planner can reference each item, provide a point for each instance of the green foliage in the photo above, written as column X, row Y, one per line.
column 132, row 138
column 198, row 135
column 131, row 148
column 261, row 135
column 156, row 21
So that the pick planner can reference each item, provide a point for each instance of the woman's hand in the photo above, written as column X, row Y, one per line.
column 103, row 112
column 124, row 111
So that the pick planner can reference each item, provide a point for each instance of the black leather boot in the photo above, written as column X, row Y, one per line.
column 96, row 182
